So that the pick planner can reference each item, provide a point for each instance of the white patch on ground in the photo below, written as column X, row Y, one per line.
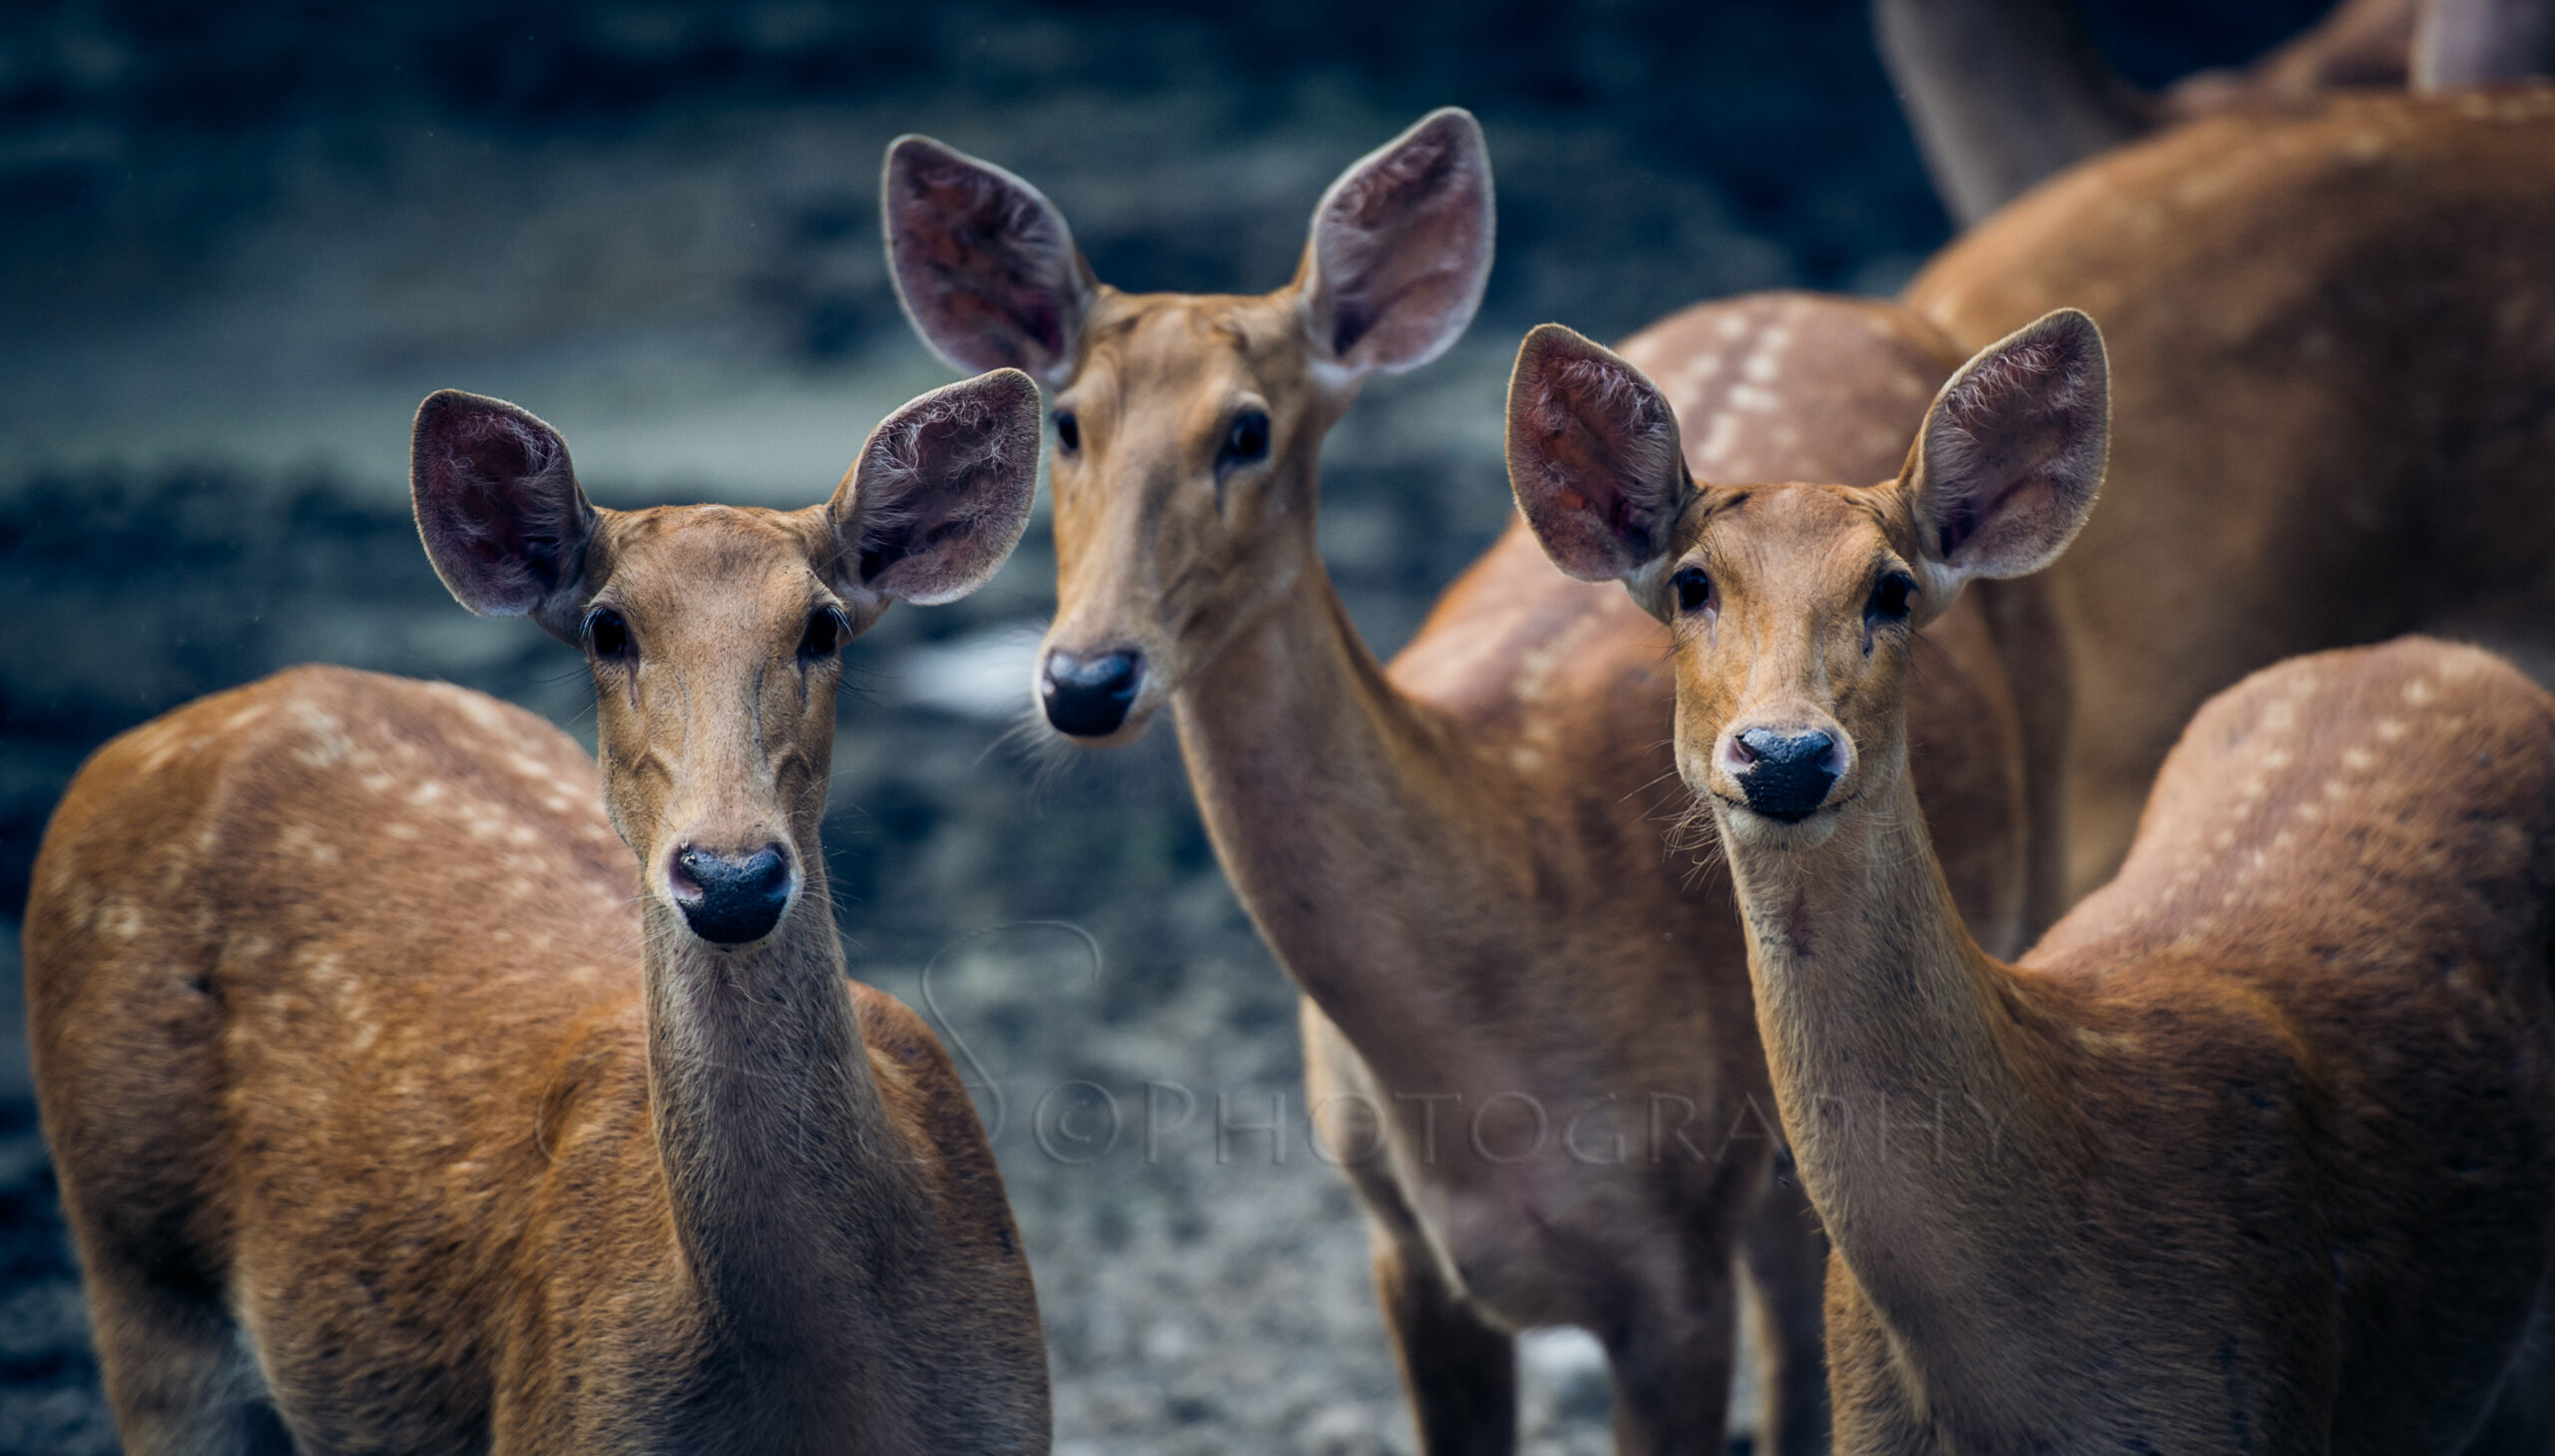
column 985, row 675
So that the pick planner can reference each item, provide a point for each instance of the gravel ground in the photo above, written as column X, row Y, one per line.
column 240, row 248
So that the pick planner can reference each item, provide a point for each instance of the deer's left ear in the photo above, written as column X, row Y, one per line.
column 1400, row 248
column 499, row 507
column 939, row 495
column 1594, row 458
column 2010, row 457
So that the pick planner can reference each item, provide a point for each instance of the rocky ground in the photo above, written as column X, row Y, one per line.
column 243, row 243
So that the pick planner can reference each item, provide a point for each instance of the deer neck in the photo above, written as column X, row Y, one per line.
column 1903, row 1058
column 1332, row 805
column 787, row 1182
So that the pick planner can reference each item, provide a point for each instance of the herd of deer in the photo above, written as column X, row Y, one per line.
column 388, row 1119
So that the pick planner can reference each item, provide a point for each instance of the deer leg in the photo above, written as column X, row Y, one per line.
column 178, row 1375
column 1785, row 1262
column 1673, row 1368
column 1461, row 1372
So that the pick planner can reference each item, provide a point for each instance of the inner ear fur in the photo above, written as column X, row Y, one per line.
column 1401, row 247
column 2010, row 457
column 983, row 264
column 499, row 509
column 939, row 495
column 1595, row 461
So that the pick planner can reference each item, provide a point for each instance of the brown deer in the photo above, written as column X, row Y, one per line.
column 2332, row 346
column 2254, row 1151
column 1458, row 857
column 389, row 1118
column 2003, row 94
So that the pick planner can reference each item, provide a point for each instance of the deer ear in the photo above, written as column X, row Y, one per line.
column 2482, row 42
column 499, row 507
column 984, row 264
column 939, row 495
column 1594, row 457
column 2010, row 456
column 1400, row 248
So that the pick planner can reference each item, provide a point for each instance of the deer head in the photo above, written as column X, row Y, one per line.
column 1188, row 427
column 715, row 632
column 1794, row 606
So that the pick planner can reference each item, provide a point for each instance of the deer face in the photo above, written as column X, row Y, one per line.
column 1187, row 428
column 716, row 633
column 1793, row 608
column 1796, row 607
column 1184, row 483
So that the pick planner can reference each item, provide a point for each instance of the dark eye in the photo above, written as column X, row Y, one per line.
column 1247, row 440
column 1693, row 589
column 1068, row 431
column 607, row 635
column 1891, row 595
column 824, row 634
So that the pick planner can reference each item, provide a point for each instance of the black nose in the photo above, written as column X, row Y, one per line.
column 1089, row 697
column 1787, row 775
column 732, row 899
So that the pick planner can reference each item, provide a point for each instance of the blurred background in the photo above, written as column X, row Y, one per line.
column 239, row 242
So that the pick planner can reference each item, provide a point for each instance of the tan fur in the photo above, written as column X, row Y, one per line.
column 2256, row 1151
column 2333, row 335
column 2004, row 94
column 395, row 1109
column 1460, row 857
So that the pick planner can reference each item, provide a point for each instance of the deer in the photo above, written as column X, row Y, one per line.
column 1457, row 856
column 2005, row 94
column 2333, row 339
column 416, row 1085
column 2255, row 1150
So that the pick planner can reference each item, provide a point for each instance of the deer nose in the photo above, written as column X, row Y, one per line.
column 1088, row 696
column 1785, row 775
column 732, row 899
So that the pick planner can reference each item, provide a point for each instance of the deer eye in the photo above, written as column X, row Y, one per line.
column 1891, row 595
column 1068, row 431
column 824, row 634
column 607, row 635
column 1246, row 440
column 1693, row 589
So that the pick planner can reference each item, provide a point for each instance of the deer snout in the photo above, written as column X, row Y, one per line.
column 732, row 899
column 1088, row 694
column 1785, row 772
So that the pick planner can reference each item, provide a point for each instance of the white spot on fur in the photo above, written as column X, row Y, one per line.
column 2420, row 693
column 118, row 917
column 1723, row 435
column 329, row 743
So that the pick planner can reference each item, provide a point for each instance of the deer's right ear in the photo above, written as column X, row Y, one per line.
column 2011, row 454
column 939, row 497
column 1400, row 248
column 1594, row 457
column 498, row 507
column 984, row 264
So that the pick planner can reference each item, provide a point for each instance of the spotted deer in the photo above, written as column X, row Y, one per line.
column 2255, row 1151
column 2003, row 94
column 398, row 1108
column 2332, row 345
column 1550, row 1116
